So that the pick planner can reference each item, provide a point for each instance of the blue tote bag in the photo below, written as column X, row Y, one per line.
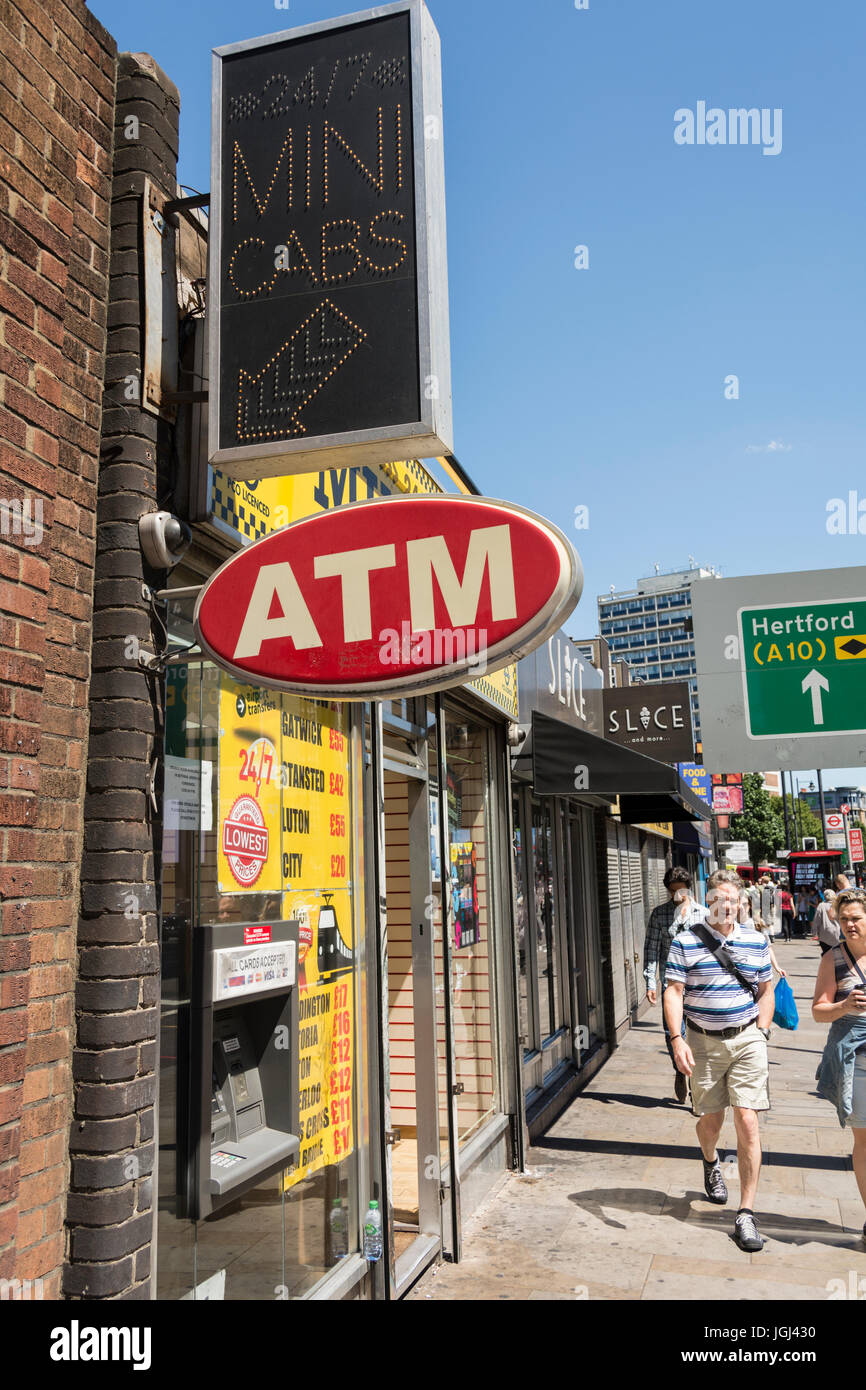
column 786, row 1015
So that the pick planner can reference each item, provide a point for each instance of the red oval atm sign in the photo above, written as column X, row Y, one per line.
column 394, row 597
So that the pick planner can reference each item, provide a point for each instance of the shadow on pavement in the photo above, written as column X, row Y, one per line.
column 643, row 1102
column 790, row 1230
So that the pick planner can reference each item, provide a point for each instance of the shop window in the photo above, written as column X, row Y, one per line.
column 284, row 767
column 474, row 914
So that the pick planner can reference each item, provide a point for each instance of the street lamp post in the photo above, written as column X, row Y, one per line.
column 821, row 799
column 785, row 812
column 797, row 815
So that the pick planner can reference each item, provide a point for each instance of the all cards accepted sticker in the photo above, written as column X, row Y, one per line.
column 257, row 936
column 239, row 970
column 245, row 841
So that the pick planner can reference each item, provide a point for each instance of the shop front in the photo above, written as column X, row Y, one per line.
column 561, row 964
column 693, row 847
column 638, row 801
column 337, row 965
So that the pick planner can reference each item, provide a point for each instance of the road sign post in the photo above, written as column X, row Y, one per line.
column 781, row 665
column 802, row 668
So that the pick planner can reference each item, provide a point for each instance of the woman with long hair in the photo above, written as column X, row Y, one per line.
column 840, row 1000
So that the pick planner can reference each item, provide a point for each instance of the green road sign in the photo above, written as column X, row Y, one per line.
column 804, row 668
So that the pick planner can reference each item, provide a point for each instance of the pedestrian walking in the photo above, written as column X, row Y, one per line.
column 840, row 1000
column 805, row 912
column 665, row 921
column 826, row 922
column 764, row 928
column 719, row 977
column 787, row 905
column 769, row 903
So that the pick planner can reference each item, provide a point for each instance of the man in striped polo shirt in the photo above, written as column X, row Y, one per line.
column 728, row 1003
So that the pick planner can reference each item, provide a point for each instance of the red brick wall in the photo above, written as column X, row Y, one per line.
column 57, row 93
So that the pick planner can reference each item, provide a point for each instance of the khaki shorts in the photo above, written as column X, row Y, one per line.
column 729, row 1071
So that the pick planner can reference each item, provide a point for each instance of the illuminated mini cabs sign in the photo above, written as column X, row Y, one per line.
column 328, row 299
column 392, row 597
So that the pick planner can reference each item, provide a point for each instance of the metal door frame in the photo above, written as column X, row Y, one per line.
column 414, row 767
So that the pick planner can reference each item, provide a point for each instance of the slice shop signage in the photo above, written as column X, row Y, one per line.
column 654, row 719
column 328, row 299
column 386, row 598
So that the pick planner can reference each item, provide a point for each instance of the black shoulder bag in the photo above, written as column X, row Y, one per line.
column 717, row 949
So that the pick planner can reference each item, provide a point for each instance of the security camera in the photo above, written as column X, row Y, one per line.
column 164, row 538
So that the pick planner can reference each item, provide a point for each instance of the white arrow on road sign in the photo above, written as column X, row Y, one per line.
column 815, row 683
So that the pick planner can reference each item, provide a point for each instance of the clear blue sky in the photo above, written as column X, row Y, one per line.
column 605, row 387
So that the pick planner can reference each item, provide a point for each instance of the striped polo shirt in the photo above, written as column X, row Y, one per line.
column 713, row 999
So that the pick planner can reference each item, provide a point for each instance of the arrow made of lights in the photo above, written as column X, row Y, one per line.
column 270, row 401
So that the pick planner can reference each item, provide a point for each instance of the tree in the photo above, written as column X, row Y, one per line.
column 810, row 824
column 761, row 822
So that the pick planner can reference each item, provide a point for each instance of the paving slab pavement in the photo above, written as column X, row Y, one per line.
column 612, row 1203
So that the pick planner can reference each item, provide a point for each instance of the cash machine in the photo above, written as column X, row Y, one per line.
column 243, row 1060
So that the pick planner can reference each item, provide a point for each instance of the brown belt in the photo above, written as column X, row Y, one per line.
column 719, row 1032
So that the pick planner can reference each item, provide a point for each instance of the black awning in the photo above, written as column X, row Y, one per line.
column 568, row 762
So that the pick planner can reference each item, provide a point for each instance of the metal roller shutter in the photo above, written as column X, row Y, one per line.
column 617, row 950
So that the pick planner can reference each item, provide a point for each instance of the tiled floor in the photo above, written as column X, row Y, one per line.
column 612, row 1203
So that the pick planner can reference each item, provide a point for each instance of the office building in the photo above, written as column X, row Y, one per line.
column 651, row 628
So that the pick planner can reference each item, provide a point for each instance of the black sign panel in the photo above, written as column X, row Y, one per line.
column 652, row 719
column 319, row 333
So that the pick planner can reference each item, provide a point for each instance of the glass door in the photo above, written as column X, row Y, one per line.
column 545, row 998
column 589, row 1031
column 410, row 1102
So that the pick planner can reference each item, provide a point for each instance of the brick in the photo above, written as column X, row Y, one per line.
column 114, row 1170
column 13, row 1026
column 19, row 738
column 31, row 639
column 102, row 1136
column 30, row 407
column 40, row 1016
column 11, row 1105
column 10, row 1143
column 41, row 1260
column 49, row 325
column 9, row 1179
column 14, row 991
column 13, row 427
column 118, row 962
column 36, row 287
column 93, row 1243
column 106, row 1101
column 103, row 1280
column 8, row 1225
column 31, row 1228
column 42, row 1188
column 17, row 242
column 15, row 303
column 46, row 1048
column 13, row 365
column 13, row 1065
column 101, row 1208
column 24, row 775
column 48, row 981
column 23, row 671
column 45, row 230
column 106, row 996
column 114, row 1064
column 116, row 1030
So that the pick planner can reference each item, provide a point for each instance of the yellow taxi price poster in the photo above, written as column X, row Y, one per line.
column 249, row 790
column 316, row 819
column 326, row 1063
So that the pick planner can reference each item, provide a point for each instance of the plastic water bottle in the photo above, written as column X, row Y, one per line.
column 339, row 1231
column 373, row 1234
